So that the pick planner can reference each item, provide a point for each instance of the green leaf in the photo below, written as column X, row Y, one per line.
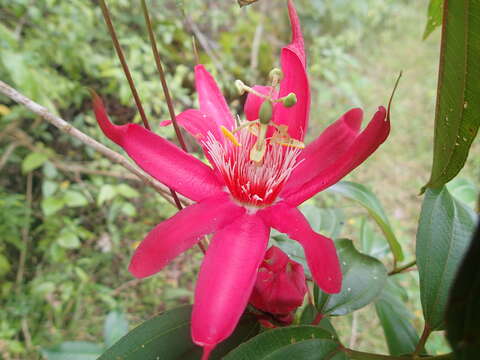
column 33, row 161
column 401, row 336
column 443, row 235
column 107, row 192
column 434, row 19
column 457, row 112
column 463, row 313
column 363, row 280
column 369, row 201
column 276, row 343
column 73, row 350
column 51, row 205
column 373, row 244
column 115, row 326
column 4, row 265
column 127, row 191
column 464, row 190
column 74, row 198
column 167, row 336
column 329, row 221
column 68, row 239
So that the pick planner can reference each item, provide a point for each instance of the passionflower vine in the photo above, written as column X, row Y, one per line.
column 280, row 286
column 244, row 193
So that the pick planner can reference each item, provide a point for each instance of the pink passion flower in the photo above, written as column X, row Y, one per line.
column 280, row 286
column 237, row 199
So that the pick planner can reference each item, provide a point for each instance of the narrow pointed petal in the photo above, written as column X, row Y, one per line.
column 212, row 102
column 326, row 149
column 160, row 158
column 295, row 80
column 253, row 103
column 197, row 123
column 183, row 230
column 320, row 251
column 226, row 279
column 362, row 147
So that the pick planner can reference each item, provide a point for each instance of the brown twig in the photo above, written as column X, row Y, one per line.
column 6, row 155
column 87, row 140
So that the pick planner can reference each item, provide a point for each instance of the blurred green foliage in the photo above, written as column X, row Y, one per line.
column 86, row 214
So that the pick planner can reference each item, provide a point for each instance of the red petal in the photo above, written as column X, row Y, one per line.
column 160, row 158
column 364, row 145
column 197, row 124
column 295, row 80
column 177, row 234
column 226, row 279
column 211, row 98
column 320, row 251
column 326, row 149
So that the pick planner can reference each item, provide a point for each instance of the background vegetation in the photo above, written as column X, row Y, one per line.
column 69, row 219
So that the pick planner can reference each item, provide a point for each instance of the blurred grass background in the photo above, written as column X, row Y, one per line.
column 67, row 230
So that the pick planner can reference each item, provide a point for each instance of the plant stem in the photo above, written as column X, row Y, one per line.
column 25, row 234
column 168, row 98
column 360, row 355
column 400, row 269
column 423, row 339
column 121, row 57
column 65, row 127
column 161, row 73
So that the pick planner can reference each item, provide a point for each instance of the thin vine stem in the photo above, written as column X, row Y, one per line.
column 398, row 270
column 123, row 62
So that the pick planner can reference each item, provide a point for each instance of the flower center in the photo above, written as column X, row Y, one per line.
column 251, row 182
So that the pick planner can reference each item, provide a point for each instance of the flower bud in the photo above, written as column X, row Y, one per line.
column 265, row 113
column 289, row 100
column 280, row 286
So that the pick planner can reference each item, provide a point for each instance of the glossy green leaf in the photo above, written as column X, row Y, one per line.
column 369, row 201
column 458, row 107
column 444, row 232
column 274, row 343
column 434, row 17
column 464, row 190
column 401, row 336
column 33, row 161
column 373, row 244
column 73, row 350
column 363, row 280
column 115, row 326
column 463, row 313
column 167, row 337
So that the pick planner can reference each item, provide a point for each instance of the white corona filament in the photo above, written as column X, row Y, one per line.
column 250, row 182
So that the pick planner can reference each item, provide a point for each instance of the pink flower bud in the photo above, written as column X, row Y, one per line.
column 280, row 286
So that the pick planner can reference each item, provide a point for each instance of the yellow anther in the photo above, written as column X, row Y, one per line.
column 229, row 135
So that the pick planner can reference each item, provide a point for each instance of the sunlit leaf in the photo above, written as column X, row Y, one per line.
column 369, row 201
column 434, row 17
column 115, row 326
column 444, row 233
